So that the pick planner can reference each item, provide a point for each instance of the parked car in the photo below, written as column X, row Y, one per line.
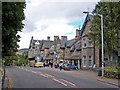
column 74, row 67
column 56, row 65
column 66, row 65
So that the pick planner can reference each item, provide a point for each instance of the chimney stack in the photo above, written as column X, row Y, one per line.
column 55, row 37
column 48, row 38
column 63, row 37
column 77, row 34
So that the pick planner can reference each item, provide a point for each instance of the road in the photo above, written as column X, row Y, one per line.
column 30, row 77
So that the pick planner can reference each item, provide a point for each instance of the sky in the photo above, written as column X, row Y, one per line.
column 53, row 18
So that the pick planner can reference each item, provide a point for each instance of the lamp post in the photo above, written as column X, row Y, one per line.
column 102, row 42
column 55, row 53
column 56, row 58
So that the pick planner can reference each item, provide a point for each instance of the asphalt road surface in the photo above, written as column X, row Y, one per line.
column 30, row 77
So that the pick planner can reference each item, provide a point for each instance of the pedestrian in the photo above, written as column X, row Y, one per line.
column 51, row 65
column 60, row 65
column 94, row 67
column 44, row 64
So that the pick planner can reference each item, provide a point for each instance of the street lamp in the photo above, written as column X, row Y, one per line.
column 102, row 42
column 56, row 58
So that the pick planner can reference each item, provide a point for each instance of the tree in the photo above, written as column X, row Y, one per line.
column 23, row 59
column 12, row 17
column 111, row 25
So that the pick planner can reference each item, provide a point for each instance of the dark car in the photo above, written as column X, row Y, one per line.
column 57, row 65
column 46, row 64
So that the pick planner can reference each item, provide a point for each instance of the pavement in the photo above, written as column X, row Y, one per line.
column 92, row 75
column 114, row 82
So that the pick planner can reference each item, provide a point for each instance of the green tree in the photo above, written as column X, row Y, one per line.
column 23, row 59
column 12, row 17
column 111, row 25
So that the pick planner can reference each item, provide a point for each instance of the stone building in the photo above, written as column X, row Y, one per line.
column 77, row 51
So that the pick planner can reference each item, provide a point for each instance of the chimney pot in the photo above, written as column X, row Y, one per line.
column 77, row 32
column 63, row 37
column 48, row 38
column 55, row 37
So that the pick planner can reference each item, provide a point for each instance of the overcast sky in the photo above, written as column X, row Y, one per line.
column 53, row 17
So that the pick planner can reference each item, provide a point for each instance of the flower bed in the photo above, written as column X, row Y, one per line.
column 112, row 72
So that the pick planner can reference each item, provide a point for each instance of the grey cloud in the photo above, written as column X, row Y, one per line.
column 29, row 26
column 43, row 27
column 71, row 11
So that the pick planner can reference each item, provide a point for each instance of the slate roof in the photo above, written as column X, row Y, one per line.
column 47, row 44
column 34, row 41
column 63, row 43
column 88, row 17
column 70, row 42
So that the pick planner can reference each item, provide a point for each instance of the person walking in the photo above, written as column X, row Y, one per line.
column 60, row 65
column 94, row 67
column 51, row 65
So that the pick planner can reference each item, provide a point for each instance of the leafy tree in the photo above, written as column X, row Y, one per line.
column 12, row 17
column 23, row 59
column 10, row 60
column 111, row 25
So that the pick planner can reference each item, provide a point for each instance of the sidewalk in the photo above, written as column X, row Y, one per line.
column 114, row 82
column 90, row 75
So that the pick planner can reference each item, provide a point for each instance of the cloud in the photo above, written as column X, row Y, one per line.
column 54, row 17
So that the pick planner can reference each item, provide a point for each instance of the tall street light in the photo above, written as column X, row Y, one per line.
column 102, row 42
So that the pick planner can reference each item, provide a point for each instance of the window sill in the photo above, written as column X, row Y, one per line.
column 89, row 66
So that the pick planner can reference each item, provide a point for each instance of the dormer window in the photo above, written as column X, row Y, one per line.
column 37, row 44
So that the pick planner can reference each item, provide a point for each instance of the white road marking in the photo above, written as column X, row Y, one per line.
column 60, row 82
column 44, row 75
column 68, row 82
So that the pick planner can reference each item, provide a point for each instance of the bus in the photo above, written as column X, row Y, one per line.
column 36, row 62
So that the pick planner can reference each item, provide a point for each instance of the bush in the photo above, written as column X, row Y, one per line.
column 112, row 74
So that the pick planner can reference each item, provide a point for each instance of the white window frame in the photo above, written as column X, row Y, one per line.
column 84, row 42
column 84, row 59
column 90, row 44
column 91, row 61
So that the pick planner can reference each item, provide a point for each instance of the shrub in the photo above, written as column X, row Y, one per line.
column 112, row 74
